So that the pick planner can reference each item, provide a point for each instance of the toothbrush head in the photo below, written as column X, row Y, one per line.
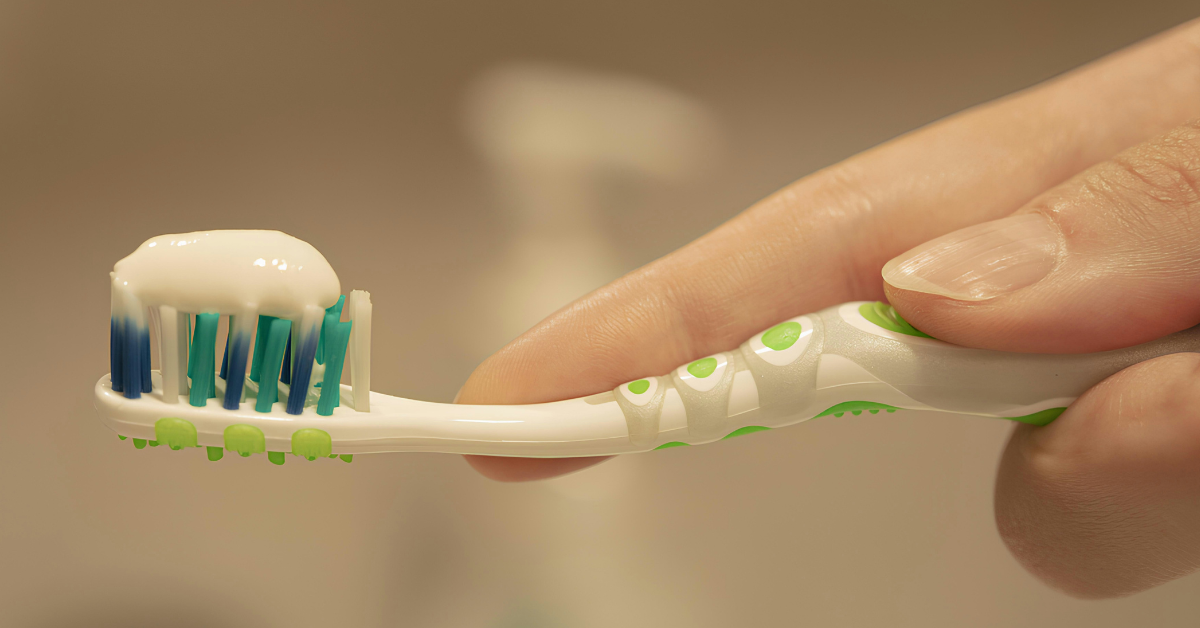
column 285, row 349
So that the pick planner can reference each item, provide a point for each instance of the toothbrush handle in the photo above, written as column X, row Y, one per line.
column 860, row 357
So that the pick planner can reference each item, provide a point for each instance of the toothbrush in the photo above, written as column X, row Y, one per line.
column 847, row 359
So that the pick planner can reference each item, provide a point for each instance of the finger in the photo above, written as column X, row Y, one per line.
column 527, row 469
column 1106, row 260
column 1104, row 501
column 823, row 239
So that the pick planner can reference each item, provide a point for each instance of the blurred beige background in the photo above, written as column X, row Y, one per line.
column 476, row 165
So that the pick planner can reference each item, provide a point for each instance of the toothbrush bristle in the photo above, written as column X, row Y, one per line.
column 225, row 356
column 336, row 341
column 285, row 374
column 333, row 314
column 260, row 346
column 144, row 341
column 237, row 348
column 269, row 360
column 204, row 347
column 274, row 338
column 132, row 360
column 305, row 357
column 116, row 350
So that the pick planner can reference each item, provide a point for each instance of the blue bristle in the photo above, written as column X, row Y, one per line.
column 304, row 365
column 144, row 339
column 285, row 373
column 116, row 348
column 131, row 379
column 236, row 362
column 225, row 358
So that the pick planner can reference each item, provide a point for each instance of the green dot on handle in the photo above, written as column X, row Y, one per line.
column 781, row 336
column 639, row 387
column 888, row 318
column 703, row 367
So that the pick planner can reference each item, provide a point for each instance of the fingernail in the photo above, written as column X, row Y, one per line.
column 980, row 262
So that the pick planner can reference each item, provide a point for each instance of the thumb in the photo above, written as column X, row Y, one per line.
column 1106, row 260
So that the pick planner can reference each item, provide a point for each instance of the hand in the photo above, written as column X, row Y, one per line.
column 1103, row 501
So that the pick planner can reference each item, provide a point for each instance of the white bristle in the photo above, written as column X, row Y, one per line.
column 360, row 348
column 172, row 367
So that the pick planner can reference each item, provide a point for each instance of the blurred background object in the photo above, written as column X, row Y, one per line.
column 477, row 165
column 567, row 150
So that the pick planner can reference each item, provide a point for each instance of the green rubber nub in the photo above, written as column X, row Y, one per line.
column 856, row 408
column 670, row 445
column 121, row 437
column 781, row 336
column 245, row 440
column 276, row 457
column 204, row 347
column 312, row 444
column 703, row 367
column 749, row 429
column 139, row 443
column 888, row 318
column 347, row 457
column 274, row 345
column 1043, row 417
column 639, row 387
column 215, row 453
column 176, row 433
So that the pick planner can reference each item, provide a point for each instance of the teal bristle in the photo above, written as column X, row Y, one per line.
column 260, row 346
column 337, row 340
column 274, row 340
column 203, row 349
column 333, row 314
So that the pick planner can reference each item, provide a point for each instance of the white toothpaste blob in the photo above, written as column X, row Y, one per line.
column 229, row 272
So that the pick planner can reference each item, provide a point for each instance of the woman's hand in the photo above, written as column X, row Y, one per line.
column 1102, row 502
column 1106, row 500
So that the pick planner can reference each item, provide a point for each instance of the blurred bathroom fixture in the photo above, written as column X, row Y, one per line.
column 562, row 146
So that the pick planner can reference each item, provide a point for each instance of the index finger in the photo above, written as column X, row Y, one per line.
column 823, row 239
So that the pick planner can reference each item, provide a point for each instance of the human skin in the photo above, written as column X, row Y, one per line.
column 1102, row 168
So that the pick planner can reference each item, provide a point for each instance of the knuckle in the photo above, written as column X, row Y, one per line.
column 1156, row 185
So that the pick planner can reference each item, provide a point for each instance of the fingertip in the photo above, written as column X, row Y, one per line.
column 503, row 469
column 1102, row 502
column 944, row 318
